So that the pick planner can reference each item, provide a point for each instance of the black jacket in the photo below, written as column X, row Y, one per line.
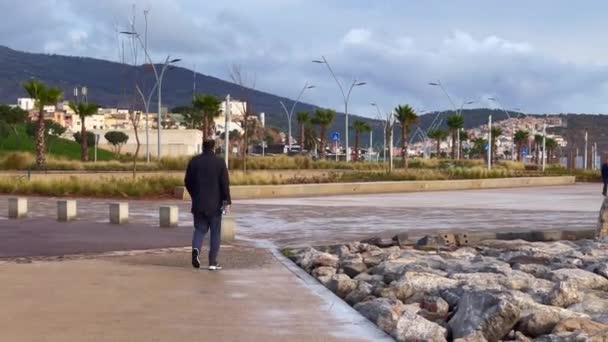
column 208, row 184
column 605, row 173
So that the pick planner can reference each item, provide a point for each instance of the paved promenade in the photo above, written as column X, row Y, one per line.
column 156, row 296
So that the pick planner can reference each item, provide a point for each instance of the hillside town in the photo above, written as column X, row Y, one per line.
column 179, row 138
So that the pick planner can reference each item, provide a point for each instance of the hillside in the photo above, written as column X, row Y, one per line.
column 109, row 82
column 60, row 148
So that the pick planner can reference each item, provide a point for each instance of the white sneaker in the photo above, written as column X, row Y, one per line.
column 215, row 267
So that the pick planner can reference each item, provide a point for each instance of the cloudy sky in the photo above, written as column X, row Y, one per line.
column 543, row 56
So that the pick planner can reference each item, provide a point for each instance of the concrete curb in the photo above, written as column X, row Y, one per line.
column 331, row 189
column 337, row 306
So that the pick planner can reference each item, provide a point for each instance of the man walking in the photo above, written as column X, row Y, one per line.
column 209, row 187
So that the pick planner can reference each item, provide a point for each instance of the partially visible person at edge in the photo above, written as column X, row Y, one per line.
column 208, row 184
column 605, row 177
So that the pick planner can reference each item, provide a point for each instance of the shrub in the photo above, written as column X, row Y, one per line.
column 18, row 161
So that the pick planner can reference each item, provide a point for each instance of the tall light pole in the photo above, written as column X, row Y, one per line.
column 490, row 142
column 458, row 136
column 159, row 79
column 495, row 99
column 388, row 135
column 345, row 97
column 227, row 114
column 293, row 107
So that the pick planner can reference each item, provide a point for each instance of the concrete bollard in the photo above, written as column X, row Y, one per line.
column 119, row 213
column 17, row 207
column 66, row 210
column 228, row 228
column 169, row 216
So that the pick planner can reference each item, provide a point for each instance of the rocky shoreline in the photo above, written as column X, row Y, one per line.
column 493, row 291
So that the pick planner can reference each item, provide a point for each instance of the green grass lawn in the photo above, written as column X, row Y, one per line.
column 60, row 148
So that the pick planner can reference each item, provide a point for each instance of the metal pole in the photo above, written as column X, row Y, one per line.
column 371, row 141
column 226, row 130
column 586, row 148
column 595, row 154
column 390, row 147
column 490, row 142
column 544, row 146
column 457, row 144
column 346, row 129
column 336, row 144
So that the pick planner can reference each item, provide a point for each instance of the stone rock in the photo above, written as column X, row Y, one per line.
column 375, row 280
column 385, row 312
column 602, row 223
column 341, row 285
column 537, row 323
column 579, row 325
column 373, row 260
column 564, row 337
column 363, row 291
column 476, row 336
column 519, row 337
column 379, row 242
column 402, row 240
column 536, row 270
column 421, row 283
column 492, row 313
column 343, row 251
column 392, row 253
column 325, row 259
column 580, row 278
column 564, row 294
column 324, row 280
column 310, row 258
column 323, row 271
column 435, row 305
column 412, row 327
column 428, row 242
column 354, row 268
column 594, row 304
column 602, row 270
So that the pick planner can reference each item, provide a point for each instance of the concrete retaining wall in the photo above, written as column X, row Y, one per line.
column 309, row 190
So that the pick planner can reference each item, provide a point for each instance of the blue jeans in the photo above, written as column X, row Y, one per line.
column 202, row 225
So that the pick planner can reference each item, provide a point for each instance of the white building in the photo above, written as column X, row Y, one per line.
column 29, row 104
column 93, row 122
column 175, row 143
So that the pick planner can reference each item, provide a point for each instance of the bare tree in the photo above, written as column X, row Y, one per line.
column 246, row 88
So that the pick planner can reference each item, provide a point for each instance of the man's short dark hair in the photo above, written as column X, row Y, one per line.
column 209, row 145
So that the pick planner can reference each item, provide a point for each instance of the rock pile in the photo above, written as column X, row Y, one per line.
column 493, row 291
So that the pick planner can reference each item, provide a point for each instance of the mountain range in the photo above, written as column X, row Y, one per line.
column 111, row 84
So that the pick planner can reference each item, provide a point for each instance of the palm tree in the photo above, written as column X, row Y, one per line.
column 43, row 96
column 324, row 118
column 83, row 110
column 550, row 145
column 496, row 132
column 455, row 123
column 209, row 106
column 464, row 136
column 479, row 147
column 538, row 145
column 407, row 117
column 520, row 138
column 360, row 127
column 303, row 119
column 438, row 135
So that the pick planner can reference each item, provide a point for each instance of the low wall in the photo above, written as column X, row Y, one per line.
column 278, row 174
column 330, row 189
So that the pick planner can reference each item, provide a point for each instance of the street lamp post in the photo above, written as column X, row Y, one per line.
column 458, row 112
column 388, row 135
column 159, row 80
column 495, row 99
column 293, row 107
column 458, row 136
column 345, row 97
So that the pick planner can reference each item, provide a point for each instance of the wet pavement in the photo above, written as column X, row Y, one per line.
column 294, row 222
column 154, row 295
